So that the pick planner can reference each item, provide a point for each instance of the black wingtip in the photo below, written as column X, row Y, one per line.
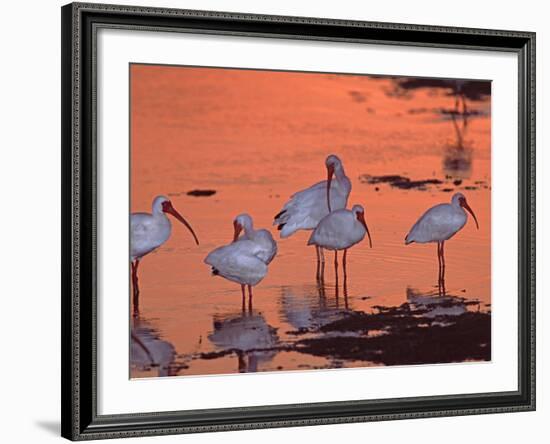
column 215, row 272
column 278, row 215
column 280, row 226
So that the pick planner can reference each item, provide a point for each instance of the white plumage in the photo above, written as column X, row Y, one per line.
column 238, row 262
column 441, row 222
column 245, row 260
column 263, row 238
column 306, row 208
column 148, row 232
column 341, row 229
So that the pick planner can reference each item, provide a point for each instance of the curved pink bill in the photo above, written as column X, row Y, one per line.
column 361, row 218
column 168, row 208
column 467, row 208
column 330, row 173
column 237, row 227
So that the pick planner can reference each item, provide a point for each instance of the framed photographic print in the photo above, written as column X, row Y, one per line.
column 279, row 221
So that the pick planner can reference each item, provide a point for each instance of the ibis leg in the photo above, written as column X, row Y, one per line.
column 344, row 265
column 241, row 361
column 318, row 262
column 322, row 254
column 443, row 266
column 321, row 290
column 243, row 298
column 135, row 300
column 439, row 267
column 336, row 286
column 336, row 265
column 250, row 298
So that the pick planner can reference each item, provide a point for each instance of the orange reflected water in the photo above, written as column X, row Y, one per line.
column 255, row 137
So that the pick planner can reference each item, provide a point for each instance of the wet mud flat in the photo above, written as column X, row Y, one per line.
column 423, row 330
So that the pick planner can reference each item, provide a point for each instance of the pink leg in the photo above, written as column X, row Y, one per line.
column 244, row 298
column 443, row 266
column 439, row 267
column 336, row 270
column 241, row 361
column 345, row 262
column 250, row 298
column 318, row 262
column 136, row 287
column 336, row 265
column 322, row 254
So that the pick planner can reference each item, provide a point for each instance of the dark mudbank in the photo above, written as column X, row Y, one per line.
column 401, row 182
column 201, row 193
column 407, row 337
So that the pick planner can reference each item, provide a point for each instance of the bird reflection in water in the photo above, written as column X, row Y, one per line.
column 248, row 335
column 322, row 286
column 457, row 158
column 307, row 308
column 437, row 305
column 148, row 351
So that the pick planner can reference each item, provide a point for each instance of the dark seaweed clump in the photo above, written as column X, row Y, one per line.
column 401, row 182
column 407, row 338
column 405, row 183
column 201, row 193
column 475, row 90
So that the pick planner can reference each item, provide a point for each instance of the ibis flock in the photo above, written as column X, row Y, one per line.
column 321, row 208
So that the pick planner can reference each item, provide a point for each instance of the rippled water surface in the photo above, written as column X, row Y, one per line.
column 255, row 137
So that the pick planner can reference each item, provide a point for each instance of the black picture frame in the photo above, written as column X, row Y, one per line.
column 80, row 420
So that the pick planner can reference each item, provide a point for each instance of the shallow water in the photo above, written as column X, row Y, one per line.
column 255, row 137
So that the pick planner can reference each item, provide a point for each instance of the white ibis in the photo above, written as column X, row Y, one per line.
column 439, row 224
column 262, row 237
column 306, row 208
column 148, row 232
column 340, row 230
column 240, row 262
